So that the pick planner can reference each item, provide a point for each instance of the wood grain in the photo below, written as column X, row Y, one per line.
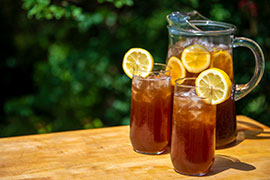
column 106, row 153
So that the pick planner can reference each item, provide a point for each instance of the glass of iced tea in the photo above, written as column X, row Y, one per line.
column 193, row 130
column 150, row 113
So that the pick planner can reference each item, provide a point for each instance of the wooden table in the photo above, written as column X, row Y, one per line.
column 106, row 153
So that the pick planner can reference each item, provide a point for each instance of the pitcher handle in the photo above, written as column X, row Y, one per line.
column 242, row 90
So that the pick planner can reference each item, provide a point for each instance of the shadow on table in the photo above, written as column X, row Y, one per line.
column 251, row 131
column 223, row 163
column 256, row 130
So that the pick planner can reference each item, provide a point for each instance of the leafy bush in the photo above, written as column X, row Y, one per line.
column 68, row 54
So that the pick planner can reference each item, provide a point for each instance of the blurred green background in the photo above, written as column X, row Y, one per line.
column 61, row 59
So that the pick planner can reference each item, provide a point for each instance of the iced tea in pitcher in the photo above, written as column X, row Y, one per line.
column 200, row 44
column 198, row 55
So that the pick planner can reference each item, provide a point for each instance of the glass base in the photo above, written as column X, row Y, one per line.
column 227, row 144
column 191, row 174
column 150, row 153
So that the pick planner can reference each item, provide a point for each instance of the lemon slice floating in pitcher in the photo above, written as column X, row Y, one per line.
column 196, row 58
column 137, row 58
column 178, row 70
column 219, row 83
column 223, row 60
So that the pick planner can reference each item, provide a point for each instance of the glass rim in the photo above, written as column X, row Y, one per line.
column 190, row 86
column 155, row 71
column 228, row 28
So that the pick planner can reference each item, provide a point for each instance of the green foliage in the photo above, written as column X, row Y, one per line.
column 256, row 105
column 219, row 13
column 118, row 3
column 75, row 49
column 45, row 9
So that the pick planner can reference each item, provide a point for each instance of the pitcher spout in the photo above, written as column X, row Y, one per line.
column 181, row 20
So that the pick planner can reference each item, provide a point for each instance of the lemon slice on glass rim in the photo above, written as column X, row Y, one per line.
column 214, row 85
column 137, row 58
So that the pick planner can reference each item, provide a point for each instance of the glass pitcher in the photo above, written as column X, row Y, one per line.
column 189, row 29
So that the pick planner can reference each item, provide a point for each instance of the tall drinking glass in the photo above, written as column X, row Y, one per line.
column 150, row 113
column 193, row 130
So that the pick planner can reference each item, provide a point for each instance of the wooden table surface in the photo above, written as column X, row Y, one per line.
column 106, row 153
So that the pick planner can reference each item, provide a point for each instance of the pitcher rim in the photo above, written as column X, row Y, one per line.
column 228, row 28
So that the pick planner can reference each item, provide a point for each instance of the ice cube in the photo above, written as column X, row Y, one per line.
column 164, row 83
column 181, row 101
column 179, row 46
column 148, row 97
column 206, row 43
column 137, row 82
column 190, row 93
column 222, row 47
column 196, row 114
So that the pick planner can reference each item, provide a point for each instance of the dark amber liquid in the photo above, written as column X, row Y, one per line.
column 226, row 123
column 150, row 115
column 193, row 136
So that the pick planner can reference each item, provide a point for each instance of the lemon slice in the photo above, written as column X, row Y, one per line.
column 137, row 58
column 214, row 85
column 178, row 70
column 196, row 58
column 223, row 60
